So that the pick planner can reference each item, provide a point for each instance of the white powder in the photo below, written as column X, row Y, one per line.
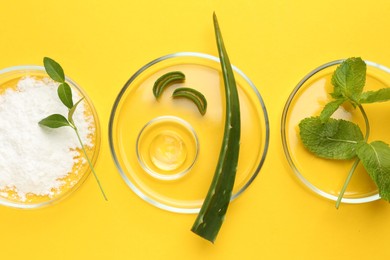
column 33, row 158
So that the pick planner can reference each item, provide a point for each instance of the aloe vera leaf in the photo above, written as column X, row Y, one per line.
column 193, row 95
column 212, row 213
column 166, row 80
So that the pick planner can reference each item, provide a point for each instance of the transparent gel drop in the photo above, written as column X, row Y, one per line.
column 167, row 148
column 168, row 151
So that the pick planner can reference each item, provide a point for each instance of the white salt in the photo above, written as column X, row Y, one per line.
column 33, row 159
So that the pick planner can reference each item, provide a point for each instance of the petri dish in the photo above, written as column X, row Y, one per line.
column 70, row 181
column 183, row 187
column 326, row 177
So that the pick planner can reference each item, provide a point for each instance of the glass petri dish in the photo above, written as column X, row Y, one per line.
column 326, row 177
column 9, row 77
column 135, row 109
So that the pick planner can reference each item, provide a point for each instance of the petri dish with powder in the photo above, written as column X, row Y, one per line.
column 41, row 165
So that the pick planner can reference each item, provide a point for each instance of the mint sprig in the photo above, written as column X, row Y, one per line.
column 56, row 73
column 339, row 139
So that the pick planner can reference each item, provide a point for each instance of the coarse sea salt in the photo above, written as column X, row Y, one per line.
column 34, row 159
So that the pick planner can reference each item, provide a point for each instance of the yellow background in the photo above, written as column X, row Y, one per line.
column 102, row 43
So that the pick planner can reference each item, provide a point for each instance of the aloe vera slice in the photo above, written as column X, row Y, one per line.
column 212, row 213
column 193, row 95
column 166, row 80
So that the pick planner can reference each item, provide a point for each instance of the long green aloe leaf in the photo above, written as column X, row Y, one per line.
column 212, row 213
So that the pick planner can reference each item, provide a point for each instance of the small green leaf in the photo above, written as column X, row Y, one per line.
column 54, row 70
column 54, row 121
column 72, row 110
column 349, row 79
column 376, row 160
column 193, row 95
column 65, row 94
column 334, row 139
column 330, row 108
column 380, row 95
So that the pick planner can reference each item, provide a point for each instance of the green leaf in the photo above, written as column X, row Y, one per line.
column 376, row 160
column 349, row 79
column 330, row 108
column 54, row 70
column 334, row 139
column 72, row 110
column 54, row 121
column 65, row 94
column 215, row 205
column 380, row 95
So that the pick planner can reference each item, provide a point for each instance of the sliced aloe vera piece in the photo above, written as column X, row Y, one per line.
column 166, row 80
column 193, row 95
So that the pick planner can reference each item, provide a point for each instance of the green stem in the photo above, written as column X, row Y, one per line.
column 366, row 122
column 90, row 163
column 344, row 188
column 355, row 164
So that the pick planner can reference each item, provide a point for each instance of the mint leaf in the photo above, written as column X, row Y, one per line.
column 54, row 121
column 380, row 95
column 349, row 79
column 376, row 160
column 54, row 70
column 65, row 94
column 334, row 139
column 330, row 108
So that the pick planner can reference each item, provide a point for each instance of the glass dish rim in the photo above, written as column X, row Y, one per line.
column 73, row 84
column 137, row 191
column 286, row 150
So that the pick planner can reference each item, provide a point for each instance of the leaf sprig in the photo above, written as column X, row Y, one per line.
column 340, row 139
column 56, row 73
